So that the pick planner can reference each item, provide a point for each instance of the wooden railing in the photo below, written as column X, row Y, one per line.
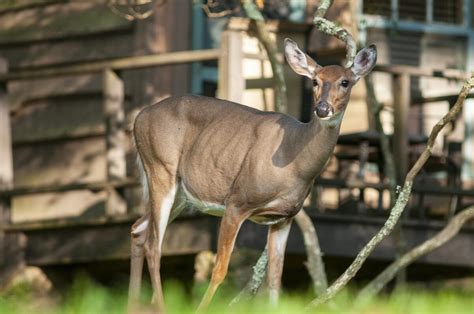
column 402, row 100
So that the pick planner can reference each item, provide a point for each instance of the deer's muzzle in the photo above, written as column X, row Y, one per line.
column 324, row 109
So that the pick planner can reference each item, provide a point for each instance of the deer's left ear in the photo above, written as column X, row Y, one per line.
column 364, row 61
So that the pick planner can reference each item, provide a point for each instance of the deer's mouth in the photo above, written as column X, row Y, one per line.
column 328, row 116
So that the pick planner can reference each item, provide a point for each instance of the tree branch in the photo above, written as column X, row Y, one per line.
column 330, row 28
column 400, row 203
column 375, row 108
column 259, row 272
column 448, row 232
column 315, row 264
column 263, row 35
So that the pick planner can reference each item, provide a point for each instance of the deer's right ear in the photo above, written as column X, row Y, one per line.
column 300, row 62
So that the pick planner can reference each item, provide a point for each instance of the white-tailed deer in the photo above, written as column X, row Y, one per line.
column 233, row 161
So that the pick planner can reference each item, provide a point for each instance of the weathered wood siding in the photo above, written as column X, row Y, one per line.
column 45, row 111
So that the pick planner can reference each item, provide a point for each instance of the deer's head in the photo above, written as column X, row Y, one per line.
column 331, row 84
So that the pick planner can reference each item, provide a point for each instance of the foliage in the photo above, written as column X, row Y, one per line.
column 87, row 297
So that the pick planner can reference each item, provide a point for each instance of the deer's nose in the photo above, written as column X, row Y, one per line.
column 323, row 109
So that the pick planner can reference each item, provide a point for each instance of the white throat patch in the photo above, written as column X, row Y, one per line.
column 331, row 121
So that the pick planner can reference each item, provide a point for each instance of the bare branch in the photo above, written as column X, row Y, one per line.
column 269, row 44
column 330, row 28
column 448, row 232
column 375, row 108
column 400, row 204
column 315, row 264
column 251, row 288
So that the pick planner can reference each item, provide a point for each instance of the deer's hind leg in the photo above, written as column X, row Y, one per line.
column 162, row 192
column 139, row 236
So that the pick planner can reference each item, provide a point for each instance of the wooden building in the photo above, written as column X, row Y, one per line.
column 76, row 78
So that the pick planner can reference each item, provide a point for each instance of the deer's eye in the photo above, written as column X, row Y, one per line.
column 315, row 83
column 345, row 83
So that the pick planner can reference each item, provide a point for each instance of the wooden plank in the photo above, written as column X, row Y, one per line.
column 231, row 82
column 259, row 83
column 6, row 160
column 112, row 242
column 90, row 48
column 22, row 92
column 345, row 235
column 54, row 164
column 58, row 21
column 13, row 259
column 115, row 139
column 79, row 161
column 114, row 115
column 15, row 5
column 401, row 103
column 58, row 118
column 117, row 64
column 425, row 189
column 11, row 250
column 93, row 186
column 449, row 98
column 422, row 72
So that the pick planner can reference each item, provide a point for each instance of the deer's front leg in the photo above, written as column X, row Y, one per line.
column 277, row 238
column 229, row 228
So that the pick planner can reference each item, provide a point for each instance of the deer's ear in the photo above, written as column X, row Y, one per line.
column 300, row 62
column 364, row 61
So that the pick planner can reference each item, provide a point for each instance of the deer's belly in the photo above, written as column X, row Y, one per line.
column 216, row 209
column 208, row 208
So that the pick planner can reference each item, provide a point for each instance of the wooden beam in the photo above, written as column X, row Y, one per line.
column 117, row 64
column 231, row 82
column 114, row 114
column 11, row 245
column 425, row 189
column 451, row 74
column 52, row 188
column 115, row 138
column 6, row 164
column 6, row 160
column 401, row 103
column 112, row 242
column 259, row 83
column 343, row 236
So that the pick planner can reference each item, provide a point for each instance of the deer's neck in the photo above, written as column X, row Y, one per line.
column 321, row 137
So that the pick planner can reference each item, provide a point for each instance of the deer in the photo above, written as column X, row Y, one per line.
column 236, row 162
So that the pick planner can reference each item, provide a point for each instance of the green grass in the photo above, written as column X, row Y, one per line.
column 87, row 297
